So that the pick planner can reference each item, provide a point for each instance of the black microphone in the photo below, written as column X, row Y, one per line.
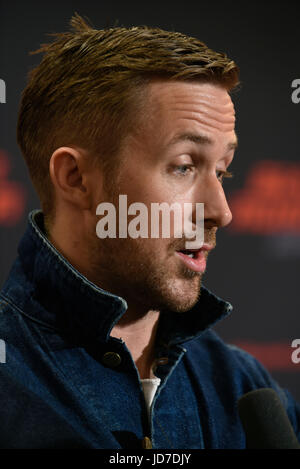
column 265, row 421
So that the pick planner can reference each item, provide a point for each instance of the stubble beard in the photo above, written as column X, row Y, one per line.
column 125, row 267
column 152, row 279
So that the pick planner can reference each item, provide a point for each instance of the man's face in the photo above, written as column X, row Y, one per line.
column 183, row 143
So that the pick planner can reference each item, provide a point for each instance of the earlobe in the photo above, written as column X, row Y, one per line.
column 67, row 172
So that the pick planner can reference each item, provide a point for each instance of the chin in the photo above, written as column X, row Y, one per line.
column 182, row 296
column 186, row 305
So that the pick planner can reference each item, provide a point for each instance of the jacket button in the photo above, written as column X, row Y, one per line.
column 146, row 443
column 111, row 359
column 162, row 361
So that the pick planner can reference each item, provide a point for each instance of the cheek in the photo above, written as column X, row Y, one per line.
column 145, row 187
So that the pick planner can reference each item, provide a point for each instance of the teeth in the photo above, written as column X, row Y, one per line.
column 189, row 254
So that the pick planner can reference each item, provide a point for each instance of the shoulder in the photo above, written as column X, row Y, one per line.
column 210, row 350
column 15, row 325
column 229, row 370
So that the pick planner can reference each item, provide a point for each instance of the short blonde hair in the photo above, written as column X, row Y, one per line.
column 89, row 87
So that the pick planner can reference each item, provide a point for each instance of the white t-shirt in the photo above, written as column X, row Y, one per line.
column 150, row 386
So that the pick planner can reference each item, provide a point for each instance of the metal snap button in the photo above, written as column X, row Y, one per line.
column 162, row 361
column 111, row 359
column 146, row 443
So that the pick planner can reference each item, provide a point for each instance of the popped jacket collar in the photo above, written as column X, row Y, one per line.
column 59, row 296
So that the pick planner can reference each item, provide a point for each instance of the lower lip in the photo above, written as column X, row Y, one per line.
column 197, row 264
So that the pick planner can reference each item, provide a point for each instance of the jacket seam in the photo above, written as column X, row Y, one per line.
column 10, row 303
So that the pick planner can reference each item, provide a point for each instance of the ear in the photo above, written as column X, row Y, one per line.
column 68, row 171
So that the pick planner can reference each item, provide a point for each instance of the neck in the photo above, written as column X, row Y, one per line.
column 137, row 328
column 139, row 335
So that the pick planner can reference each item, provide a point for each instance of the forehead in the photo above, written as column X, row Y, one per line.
column 176, row 105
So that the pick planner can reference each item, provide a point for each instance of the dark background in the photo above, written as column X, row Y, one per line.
column 256, row 264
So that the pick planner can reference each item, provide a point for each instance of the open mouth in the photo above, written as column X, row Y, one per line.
column 194, row 259
column 189, row 252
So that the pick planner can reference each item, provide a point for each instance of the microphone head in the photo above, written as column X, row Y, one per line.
column 265, row 421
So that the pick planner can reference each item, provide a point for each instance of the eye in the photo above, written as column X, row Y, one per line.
column 184, row 169
column 224, row 174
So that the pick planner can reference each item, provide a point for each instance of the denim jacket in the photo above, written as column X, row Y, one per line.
column 66, row 383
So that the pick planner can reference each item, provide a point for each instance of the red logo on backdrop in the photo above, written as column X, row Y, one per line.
column 275, row 356
column 270, row 201
column 12, row 195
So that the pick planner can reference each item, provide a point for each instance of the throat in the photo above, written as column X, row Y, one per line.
column 139, row 338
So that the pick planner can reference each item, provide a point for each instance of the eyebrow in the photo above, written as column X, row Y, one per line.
column 200, row 140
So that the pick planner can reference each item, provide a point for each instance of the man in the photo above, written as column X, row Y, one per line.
column 108, row 341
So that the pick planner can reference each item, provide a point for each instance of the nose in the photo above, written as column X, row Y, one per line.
column 216, row 209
